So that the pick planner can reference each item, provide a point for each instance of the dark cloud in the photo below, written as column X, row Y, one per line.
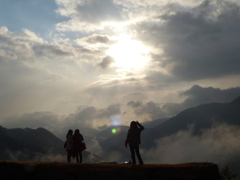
column 159, row 78
column 89, row 116
column 85, row 114
column 97, row 38
column 106, row 62
column 195, row 96
column 199, row 95
column 134, row 104
column 199, row 43
column 151, row 109
column 111, row 110
column 50, row 50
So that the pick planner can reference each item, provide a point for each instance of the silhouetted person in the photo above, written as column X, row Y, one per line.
column 69, row 147
column 77, row 145
column 133, row 139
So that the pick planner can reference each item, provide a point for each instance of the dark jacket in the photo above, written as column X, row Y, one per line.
column 77, row 141
column 133, row 137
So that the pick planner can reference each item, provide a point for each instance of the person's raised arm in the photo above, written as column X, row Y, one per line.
column 141, row 127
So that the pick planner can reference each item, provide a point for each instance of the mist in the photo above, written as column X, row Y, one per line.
column 219, row 145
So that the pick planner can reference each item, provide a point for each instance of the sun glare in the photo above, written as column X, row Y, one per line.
column 128, row 53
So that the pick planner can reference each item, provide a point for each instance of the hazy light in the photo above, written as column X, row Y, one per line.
column 115, row 120
column 128, row 53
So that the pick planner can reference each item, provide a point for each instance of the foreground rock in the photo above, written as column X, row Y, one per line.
column 58, row 171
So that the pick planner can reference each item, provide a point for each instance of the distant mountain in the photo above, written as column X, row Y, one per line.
column 202, row 117
column 154, row 123
column 107, row 133
column 33, row 144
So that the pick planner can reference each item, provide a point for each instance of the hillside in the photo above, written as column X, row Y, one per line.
column 202, row 117
column 59, row 171
column 27, row 144
column 154, row 123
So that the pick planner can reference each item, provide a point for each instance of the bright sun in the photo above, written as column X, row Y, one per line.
column 128, row 53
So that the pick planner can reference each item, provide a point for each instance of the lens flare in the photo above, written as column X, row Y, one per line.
column 114, row 131
column 115, row 123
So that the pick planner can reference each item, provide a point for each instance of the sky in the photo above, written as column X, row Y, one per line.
column 97, row 63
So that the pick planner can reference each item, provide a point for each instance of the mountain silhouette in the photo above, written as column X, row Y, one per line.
column 202, row 117
column 154, row 123
column 33, row 144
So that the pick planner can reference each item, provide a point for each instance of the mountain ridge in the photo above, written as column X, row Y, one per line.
column 39, row 144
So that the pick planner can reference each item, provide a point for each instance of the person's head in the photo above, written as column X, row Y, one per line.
column 133, row 125
column 76, row 131
column 70, row 132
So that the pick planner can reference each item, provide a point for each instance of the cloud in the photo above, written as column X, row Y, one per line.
column 106, row 62
column 198, row 95
column 41, row 73
column 134, row 104
column 217, row 145
column 151, row 109
column 87, row 15
column 196, row 43
column 27, row 47
column 194, row 96
column 97, row 38
column 87, row 118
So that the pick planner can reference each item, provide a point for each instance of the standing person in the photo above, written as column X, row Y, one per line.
column 77, row 145
column 133, row 139
column 69, row 146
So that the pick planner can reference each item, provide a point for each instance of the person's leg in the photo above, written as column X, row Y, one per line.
column 76, row 154
column 69, row 155
column 80, row 155
column 73, row 153
column 138, row 155
column 132, row 154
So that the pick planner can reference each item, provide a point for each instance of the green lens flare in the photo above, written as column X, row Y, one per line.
column 114, row 131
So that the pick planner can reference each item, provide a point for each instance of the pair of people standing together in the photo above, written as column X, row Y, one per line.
column 74, row 145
